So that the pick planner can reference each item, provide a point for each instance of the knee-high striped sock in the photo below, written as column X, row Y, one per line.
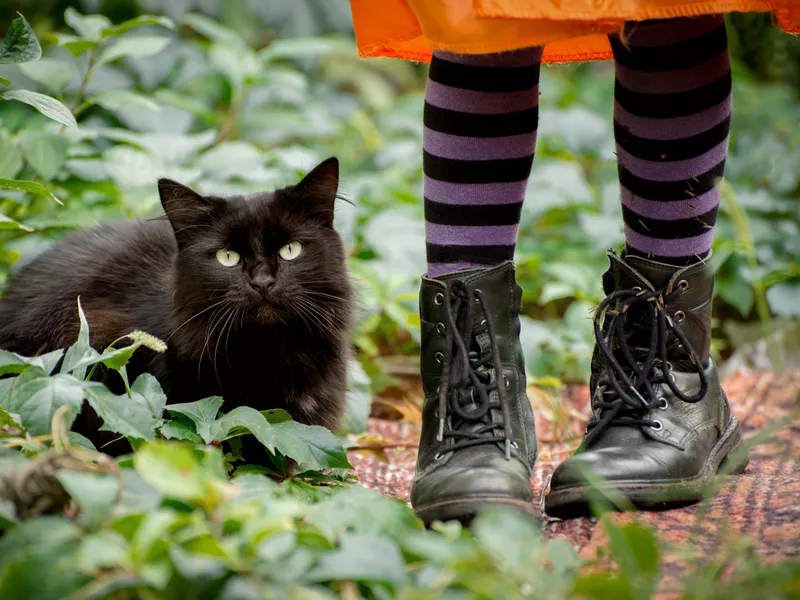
column 481, row 115
column 671, row 122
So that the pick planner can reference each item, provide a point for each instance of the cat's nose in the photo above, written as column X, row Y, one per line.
column 263, row 284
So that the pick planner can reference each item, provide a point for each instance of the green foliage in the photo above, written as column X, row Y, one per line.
column 216, row 103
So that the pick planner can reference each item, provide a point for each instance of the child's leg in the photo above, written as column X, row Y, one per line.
column 671, row 121
column 481, row 115
column 661, row 425
column 478, row 442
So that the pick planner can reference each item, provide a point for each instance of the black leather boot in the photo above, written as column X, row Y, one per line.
column 661, row 425
column 478, row 443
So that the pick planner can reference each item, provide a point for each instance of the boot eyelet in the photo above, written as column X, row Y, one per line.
column 441, row 328
column 657, row 426
column 477, row 295
column 637, row 289
column 662, row 404
column 438, row 299
column 439, row 357
column 514, row 444
column 683, row 285
column 483, row 322
column 438, row 456
column 506, row 382
column 680, row 316
column 438, row 389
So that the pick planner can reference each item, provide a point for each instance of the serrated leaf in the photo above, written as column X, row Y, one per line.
column 128, row 416
column 36, row 399
column 45, row 152
column 139, row 21
column 202, row 413
column 11, row 362
column 20, row 44
column 89, row 27
column 180, row 429
column 133, row 47
column 241, row 418
column 312, row 446
column 47, row 105
column 27, row 186
column 95, row 493
column 151, row 391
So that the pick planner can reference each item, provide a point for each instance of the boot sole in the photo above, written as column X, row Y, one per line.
column 465, row 510
column 654, row 495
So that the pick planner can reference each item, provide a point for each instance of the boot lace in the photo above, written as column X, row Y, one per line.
column 633, row 373
column 471, row 422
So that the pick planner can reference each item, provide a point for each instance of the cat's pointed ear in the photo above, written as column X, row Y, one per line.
column 183, row 206
column 317, row 190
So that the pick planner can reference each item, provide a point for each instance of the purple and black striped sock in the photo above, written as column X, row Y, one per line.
column 671, row 122
column 481, row 116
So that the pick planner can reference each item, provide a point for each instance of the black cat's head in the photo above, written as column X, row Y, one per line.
column 261, row 259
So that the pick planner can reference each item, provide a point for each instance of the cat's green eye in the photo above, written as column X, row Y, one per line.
column 291, row 250
column 228, row 258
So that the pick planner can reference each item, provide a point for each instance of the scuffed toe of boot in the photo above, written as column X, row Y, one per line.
column 459, row 492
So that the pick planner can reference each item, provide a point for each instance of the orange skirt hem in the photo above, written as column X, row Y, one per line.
column 412, row 29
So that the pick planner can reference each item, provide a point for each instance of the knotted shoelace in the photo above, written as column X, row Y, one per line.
column 471, row 375
column 634, row 373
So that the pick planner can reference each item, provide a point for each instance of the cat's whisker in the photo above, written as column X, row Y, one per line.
column 193, row 318
column 230, row 314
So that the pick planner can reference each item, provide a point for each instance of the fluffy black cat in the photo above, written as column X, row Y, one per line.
column 251, row 294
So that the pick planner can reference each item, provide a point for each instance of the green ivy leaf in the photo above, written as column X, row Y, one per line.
column 47, row 105
column 37, row 560
column 312, row 446
column 20, row 44
column 95, row 493
column 202, row 413
column 132, row 47
column 180, row 428
column 359, row 398
column 177, row 471
column 240, row 420
column 128, row 416
column 45, row 152
column 4, row 81
column 364, row 558
column 36, row 398
column 102, row 550
column 151, row 391
column 11, row 363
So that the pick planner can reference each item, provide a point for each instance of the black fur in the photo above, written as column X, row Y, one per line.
column 227, row 334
